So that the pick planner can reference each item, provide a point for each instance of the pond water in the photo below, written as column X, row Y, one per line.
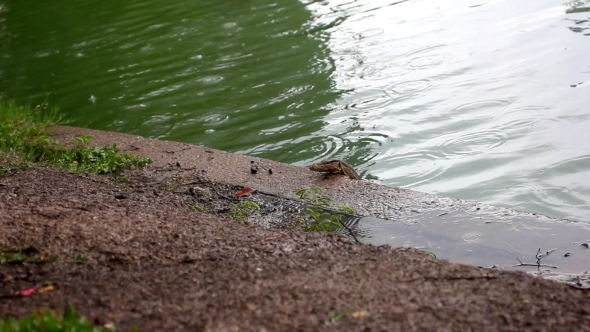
column 479, row 100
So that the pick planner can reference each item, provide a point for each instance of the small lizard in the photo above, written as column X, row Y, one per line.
column 335, row 166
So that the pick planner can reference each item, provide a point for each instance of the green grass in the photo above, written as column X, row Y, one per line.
column 339, row 316
column 243, row 209
column 322, row 219
column 25, row 142
column 19, row 255
column 47, row 321
column 195, row 207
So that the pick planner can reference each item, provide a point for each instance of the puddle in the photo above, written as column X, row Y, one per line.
column 510, row 240
column 461, row 237
column 466, row 239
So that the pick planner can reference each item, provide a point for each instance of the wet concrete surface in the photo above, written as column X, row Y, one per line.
column 457, row 230
column 465, row 239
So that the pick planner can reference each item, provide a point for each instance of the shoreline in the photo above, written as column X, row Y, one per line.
column 427, row 221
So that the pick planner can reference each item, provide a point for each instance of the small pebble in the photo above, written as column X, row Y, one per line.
column 585, row 245
column 253, row 170
column 567, row 254
column 121, row 196
column 269, row 171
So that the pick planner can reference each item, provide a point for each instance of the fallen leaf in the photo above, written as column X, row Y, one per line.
column 45, row 289
column 25, row 292
column 360, row 313
column 249, row 306
column 244, row 191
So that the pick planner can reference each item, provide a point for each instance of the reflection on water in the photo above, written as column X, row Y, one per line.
column 485, row 101
column 580, row 22
column 235, row 77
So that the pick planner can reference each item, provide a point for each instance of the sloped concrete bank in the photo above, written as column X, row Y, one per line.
column 457, row 230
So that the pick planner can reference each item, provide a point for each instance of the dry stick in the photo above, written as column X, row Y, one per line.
column 350, row 232
column 530, row 264
column 538, row 256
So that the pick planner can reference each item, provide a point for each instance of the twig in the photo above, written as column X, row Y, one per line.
column 350, row 232
column 537, row 265
column 538, row 256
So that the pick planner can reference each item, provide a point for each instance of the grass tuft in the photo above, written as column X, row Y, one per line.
column 322, row 219
column 243, row 209
column 26, row 142
column 48, row 321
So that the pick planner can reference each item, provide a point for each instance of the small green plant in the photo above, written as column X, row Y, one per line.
column 345, row 208
column 81, row 259
column 339, row 316
column 170, row 184
column 429, row 253
column 322, row 219
column 49, row 321
column 96, row 160
column 195, row 207
column 12, row 257
column 5, row 170
column 84, row 139
column 19, row 255
column 314, row 196
column 242, row 210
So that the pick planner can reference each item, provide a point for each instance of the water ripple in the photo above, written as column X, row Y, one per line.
column 368, row 33
column 411, row 87
column 470, row 143
column 425, row 57
column 472, row 237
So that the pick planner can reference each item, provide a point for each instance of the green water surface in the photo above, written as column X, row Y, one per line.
column 476, row 100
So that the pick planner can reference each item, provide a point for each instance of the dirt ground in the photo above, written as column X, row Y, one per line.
column 131, row 253
column 134, row 251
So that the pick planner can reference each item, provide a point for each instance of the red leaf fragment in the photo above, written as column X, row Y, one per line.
column 25, row 292
column 244, row 192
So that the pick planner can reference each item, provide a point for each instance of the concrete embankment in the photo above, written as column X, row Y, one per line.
column 458, row 230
